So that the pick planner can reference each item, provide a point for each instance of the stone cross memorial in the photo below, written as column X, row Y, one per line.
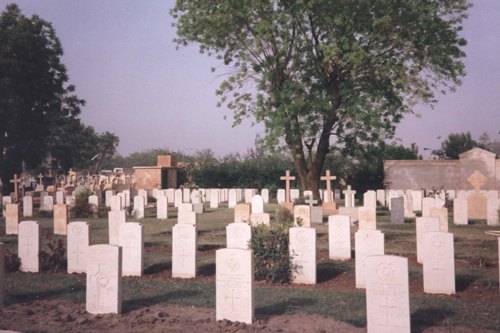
column 477, row 202
column 104, row 279
column 234, row 280
column 287, row 178
column 16, row 181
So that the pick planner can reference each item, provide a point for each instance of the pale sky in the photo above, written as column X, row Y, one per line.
column 121, row 58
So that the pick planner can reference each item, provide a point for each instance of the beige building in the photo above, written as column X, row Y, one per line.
column 163, row 175
column 443, row 174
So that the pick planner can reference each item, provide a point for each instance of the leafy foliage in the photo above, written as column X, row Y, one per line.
column 82, row 207
column 53, row 259
column 11, row 261
column 317, row 69
column 271, row 252
column 454, row 145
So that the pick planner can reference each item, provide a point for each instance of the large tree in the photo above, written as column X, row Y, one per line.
column 34, row 95
column 39, row 110
column 454, row 145
column 321, row 73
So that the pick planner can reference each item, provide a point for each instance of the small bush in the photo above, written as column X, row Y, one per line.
column 53, row 259
column 270, row 247
column 82, row 206
column 11, row 261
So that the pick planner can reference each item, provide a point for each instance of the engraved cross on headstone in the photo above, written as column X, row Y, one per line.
column 129, row 247
column 183, row 255
column 287, row 178
column 234, row 296
column 477, row 180
column 386, row 308
column 311, row 202
column 328, row 178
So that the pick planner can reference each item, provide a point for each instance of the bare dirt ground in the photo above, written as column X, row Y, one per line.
column 57, row 316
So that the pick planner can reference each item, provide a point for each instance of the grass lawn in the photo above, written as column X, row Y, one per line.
column 476, row 303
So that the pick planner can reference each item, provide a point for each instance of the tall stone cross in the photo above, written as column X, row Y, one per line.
column 328, row 178
column 287, row 179
column 40, row 179
column 477, row 180
column 16, row 181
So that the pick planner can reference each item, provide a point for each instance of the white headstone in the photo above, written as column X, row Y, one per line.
column 170, row 194
column 29, row 246
column 94, row 200
column 115, row 203
column 214, row 199
column 234, row 276
column 78, row 243
column 442, row 214
column 424, row 225
column 48, row 204
column 115, row 220
column 28, row 206
column 186, row 217
column 387, row 295
column 460, row 214
column 367, row 243
column 416, row 200
column 107, row 195
column 59, row 197
column 303, row 252
column 265, row 195
column 184, row 251
column 427, row 204
column 126, row 198
column 11, row 219
column 257, row 204
column 280, row 196
column 161, row 207
column 492, row 208
column 60, row 219
column 238, row 235
column 131, row 240
column 367, row 218
column 439, row 263
column 370, row 199
column 260, row 218
column 186, row 195
column 104, row 282
column 303, row 213
column 139, row 207
column 294, row 194
column 339, row 237
column 242, row 213
column 232, row 198
column 177, row 197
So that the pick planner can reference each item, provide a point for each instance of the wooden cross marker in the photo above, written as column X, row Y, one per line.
column 328, row 178
column 477, row 180
column 16, row 181
column 287, row 179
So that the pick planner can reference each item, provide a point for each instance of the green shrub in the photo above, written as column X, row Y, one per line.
column 53, row 259
column 11, row 261
column 82, row 207
column 270, row 247
column 45, row 214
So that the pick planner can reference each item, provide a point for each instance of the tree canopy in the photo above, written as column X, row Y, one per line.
column 39, row 110
column 323, row 73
